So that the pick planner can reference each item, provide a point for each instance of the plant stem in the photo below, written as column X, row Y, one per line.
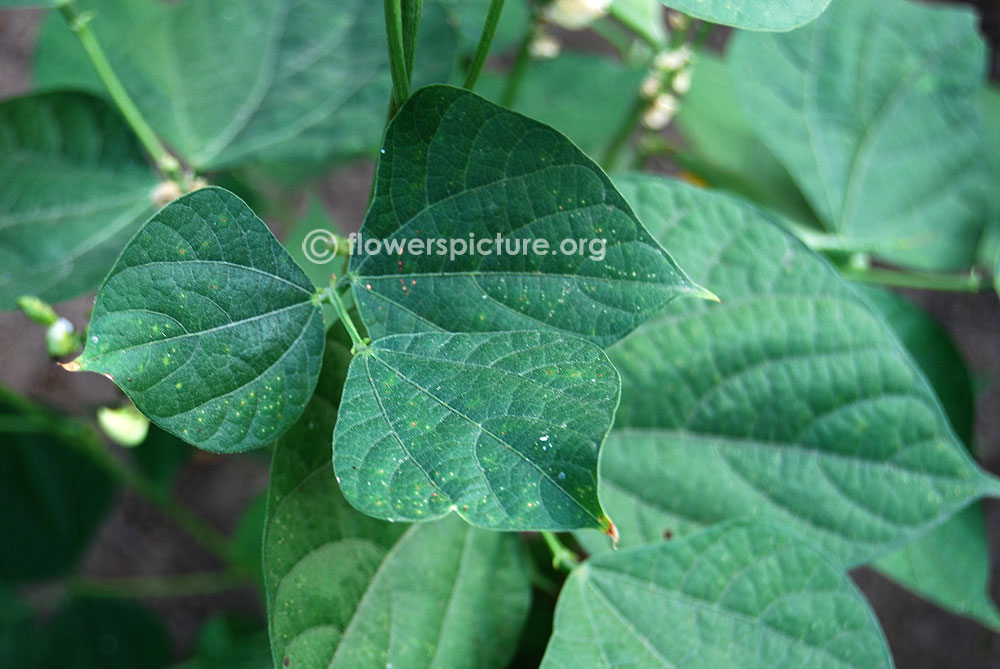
column 973, row 282
column 330, row 294
column 411, row 31
column 621, row 138
column 562, row 557
column 80, row 24
column 517, row 71
column 397, row 52
column 174, row 585
column 485, row 41
column 88, row 441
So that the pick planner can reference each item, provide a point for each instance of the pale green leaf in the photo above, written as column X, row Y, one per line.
column 736, row 595
column 722, row 149
column 208, row 325
column 753, row 14
column 455, row 165
column 74, row 186
column 791, row 399
column 872, row 111
column 502, row 428
column 949, row 566
column 643, row 16
column 928, row 564
column 345, row 590
column 583, row 96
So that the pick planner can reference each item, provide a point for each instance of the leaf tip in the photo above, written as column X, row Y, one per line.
column 704, row 294
column 609, row 529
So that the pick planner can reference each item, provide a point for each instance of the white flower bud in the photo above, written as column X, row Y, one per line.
column 125, row 426
column 671, row 61
column 576, row 14
column 651, row 86
column 59, row 339
column 661, row 112
column 682, row 81
column 544, row 46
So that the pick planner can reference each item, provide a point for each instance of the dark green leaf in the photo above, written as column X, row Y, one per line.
column 22, row 641
column 455, row 165
column 583, row 96
column 93, row 633
column 161, row 456
column 502, row 428
column 208, row 325
column 74, row 186
column 872, row 111
column 753, row 14
column 345, row 590
column 53, row 498
column 229, row 643
column 736, row 595
column 791, row 399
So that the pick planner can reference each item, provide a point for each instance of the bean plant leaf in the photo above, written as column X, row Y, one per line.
column 928, row 564
column 753, row 14
column 741, row 594
column 645, row 17
column 345, row 590
column 291, row 81
column 107, row 634
column 885, row 140
column 949, row 566
column 232, row 643
column 502, row 428
column 722, row 149
column 554, row 91
column 208, row 325
column 53, row 497
column 791, row 399
column 74, row 186
column 456, row 167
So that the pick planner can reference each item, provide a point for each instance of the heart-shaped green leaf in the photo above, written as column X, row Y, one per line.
column 753, row 14
column 455, row 167
column 345, row 590
column 503, row 428
column 741, row 594
column 74, row 186
column 208, row 325
column 872, row 111
column 791, row 399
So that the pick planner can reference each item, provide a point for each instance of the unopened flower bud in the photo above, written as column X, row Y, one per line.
column 37, row 310
column 651, row 86
column 124, row 426
column 672, row 61
column 576, row 14
column 682, row 81
column 544, row 46
column 60, row 339
column 661, row 112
